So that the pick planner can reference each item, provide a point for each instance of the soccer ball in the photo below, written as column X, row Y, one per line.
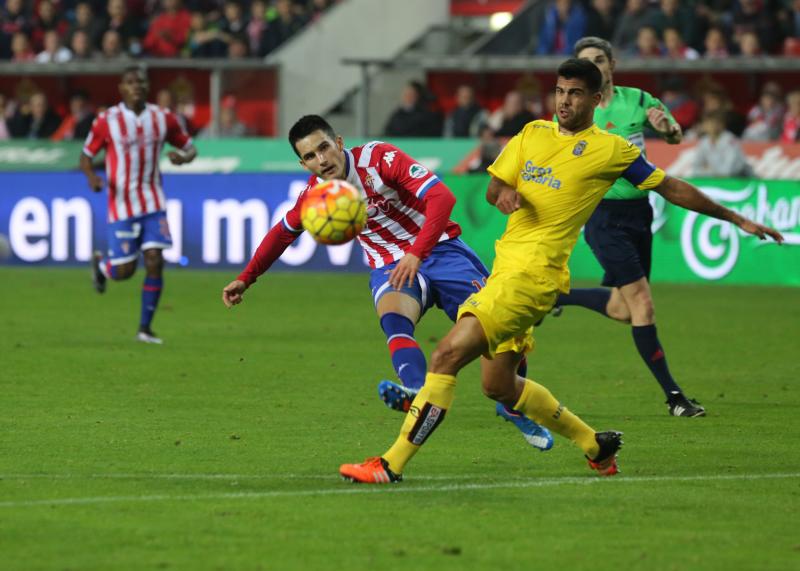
column 333, row 212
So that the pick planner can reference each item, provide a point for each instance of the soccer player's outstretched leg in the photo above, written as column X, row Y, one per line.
column 132, row 133
column 413, row 248
column 549, row 179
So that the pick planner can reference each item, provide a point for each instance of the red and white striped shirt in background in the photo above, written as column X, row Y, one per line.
column 408, row 210
column 133, row 146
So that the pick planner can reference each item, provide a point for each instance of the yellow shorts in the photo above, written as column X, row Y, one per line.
column 508, row 306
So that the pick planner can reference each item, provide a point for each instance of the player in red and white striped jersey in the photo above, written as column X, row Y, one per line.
column 412, row 246
column 133, row 133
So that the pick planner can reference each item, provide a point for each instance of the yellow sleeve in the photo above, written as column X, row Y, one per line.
column 506, row 167
column 635, row 168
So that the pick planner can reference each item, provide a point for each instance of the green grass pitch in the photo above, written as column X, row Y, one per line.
column 220, row 449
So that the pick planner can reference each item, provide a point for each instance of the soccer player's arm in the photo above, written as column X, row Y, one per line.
column 280, row 237
column 502, row 191
column 644, row 175
column 95, row 142
column 180, row 139
column 407, row 175
column 661, row 120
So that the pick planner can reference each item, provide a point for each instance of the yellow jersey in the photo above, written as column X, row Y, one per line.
column 561, row 179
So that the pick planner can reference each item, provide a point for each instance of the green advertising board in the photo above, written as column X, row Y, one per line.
column 223, row 155
column 687, row 247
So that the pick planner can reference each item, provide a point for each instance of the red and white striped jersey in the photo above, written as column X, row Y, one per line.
column 394, row 186
column 133, row 146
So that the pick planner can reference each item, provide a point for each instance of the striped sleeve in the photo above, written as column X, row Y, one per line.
column 402, row 172
column 98, row 136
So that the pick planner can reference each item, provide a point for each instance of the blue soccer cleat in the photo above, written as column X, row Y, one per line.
column 396, row 396
column 535, row 435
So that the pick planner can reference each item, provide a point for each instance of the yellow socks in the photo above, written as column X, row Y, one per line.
column 539, row 404
column 425, row 414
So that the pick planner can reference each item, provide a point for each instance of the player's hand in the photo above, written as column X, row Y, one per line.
column 508, row 201
column 177, row 158
column 660, row 122
column 96, row 183
column 405, row 272
column 233, row 292
column 760, row 230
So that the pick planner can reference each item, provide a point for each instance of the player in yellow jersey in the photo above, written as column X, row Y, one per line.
column 549, row 179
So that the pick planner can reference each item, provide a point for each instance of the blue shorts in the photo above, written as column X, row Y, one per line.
column 126, row 238
column 446, row 278
column 620, row 236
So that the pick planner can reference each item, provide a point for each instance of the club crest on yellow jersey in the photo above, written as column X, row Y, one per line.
column 579, row 147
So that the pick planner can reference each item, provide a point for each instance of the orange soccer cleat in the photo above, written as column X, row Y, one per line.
column 371, row 471
column 606, row 461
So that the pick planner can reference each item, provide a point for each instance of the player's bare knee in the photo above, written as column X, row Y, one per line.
column 153, row 262
column 125, row 271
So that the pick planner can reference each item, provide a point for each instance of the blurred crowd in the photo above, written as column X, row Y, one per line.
column 79, row 30
column 703, row 111
column 679, row 29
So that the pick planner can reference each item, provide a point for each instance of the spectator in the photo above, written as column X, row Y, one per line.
column 21, row 49
column 715, row 43
column 675, row 47
column 635, row 15
column 672, row 14
column 166, row 100
column 12, row 20
column 237, row 47
column 46, row 19
column 765, row 118
column 53, row 51
column 601, row 19
column 716, row 99
column 129, row 30
column 791, row 120
column 683, row 108
column 257, row 27
column 789, row 19
column 35, row 120
column 87, row 23
column 76, row 125
column 285, row 25
column 205, row 41
column 648, row 44
column 168, row 31
column 488, row 150
column 718, row 152
column 467, row 117
column 112, row 47
column 413, row 118
column 229, row 124
column 749, row 45
column 234, row 23
column 753, row 16
column 81, row 46
column 564, row 24
column 5, row 133
column 512, row 116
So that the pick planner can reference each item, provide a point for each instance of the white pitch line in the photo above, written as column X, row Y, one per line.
column 271, row 476
column 400, row 488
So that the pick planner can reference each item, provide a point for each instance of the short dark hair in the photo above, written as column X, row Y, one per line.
column 137, row 69
column 306, row 125
column 593, row 42
column 575, row 68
